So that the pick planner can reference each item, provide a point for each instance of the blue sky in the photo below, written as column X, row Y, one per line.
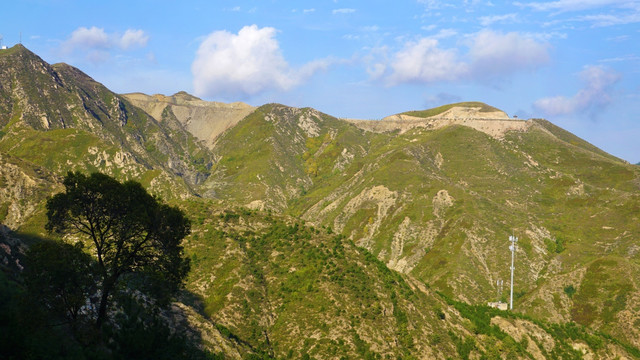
column 575, row 63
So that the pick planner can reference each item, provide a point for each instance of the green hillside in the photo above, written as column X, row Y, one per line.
column 58, row 117
column 440, row 204
column 314, row 237
column 290, row 290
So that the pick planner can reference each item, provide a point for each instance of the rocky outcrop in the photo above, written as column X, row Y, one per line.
column 206, row 120
column 493, row 123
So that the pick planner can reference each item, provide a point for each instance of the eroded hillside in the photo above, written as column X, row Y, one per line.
column 205, row 120
column 439, row 202
column 353, row 238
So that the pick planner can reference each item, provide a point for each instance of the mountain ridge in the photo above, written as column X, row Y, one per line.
column 276, row 194
column 205, row 120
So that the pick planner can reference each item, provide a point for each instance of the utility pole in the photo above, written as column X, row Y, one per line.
column 512, row 247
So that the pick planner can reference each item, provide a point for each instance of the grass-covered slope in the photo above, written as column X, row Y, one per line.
column 288, row 290
column 441, row 204
column 269, row 158
column 434, row 205
column 59, row 118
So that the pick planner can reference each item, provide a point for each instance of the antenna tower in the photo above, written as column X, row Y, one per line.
column 0, row 41
column 512, row 247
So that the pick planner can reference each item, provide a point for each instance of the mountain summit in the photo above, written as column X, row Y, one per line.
column 205, row 120
column 464, row 110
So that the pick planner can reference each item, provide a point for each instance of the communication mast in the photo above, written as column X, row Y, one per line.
column 512, row 247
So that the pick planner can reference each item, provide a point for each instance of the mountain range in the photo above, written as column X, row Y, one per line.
column 326, row 237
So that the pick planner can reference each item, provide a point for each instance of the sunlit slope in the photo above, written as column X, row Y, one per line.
column 440, row 203
column 287, row 290
column 57, row 117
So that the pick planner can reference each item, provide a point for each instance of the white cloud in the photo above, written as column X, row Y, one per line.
column 351, row 37
column 490, row 55
column 603, row 20
column 495, row 54
column 343, row 11
column 445, row 33
column 246, row 64
column 621, row 59
column 598, row 83
column 424, row 61
column 133, row 38
column 490, row 20
column 618, row 12
column 95, row 40
column 571, row 5
column 433, row 4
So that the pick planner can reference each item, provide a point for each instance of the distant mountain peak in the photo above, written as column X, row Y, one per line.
column 183, row 95
column 476, row 115
column 470, row 110
column 14, row 49
column 206, row 120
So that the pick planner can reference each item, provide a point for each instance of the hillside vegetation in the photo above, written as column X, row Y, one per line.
column 313, row 237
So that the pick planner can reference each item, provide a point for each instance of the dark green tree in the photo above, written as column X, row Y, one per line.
column 135, row 238
column 62, row 277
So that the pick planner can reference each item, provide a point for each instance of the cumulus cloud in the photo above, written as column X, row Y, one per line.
column 84, row 37
column 246, row 64
column 425, row 61
column 490, row 55
column 95, row 39
column 133, row 38
column 595, row 94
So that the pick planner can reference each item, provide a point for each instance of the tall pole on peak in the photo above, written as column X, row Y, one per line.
column 512, row 247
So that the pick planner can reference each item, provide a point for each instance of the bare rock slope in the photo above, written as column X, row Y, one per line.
column 204, row 119
column 478, row 116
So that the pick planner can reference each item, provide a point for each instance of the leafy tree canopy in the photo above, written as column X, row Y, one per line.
column 62, row 277
column 134, row 237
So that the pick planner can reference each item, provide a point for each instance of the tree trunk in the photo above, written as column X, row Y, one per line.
column 104, row 300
